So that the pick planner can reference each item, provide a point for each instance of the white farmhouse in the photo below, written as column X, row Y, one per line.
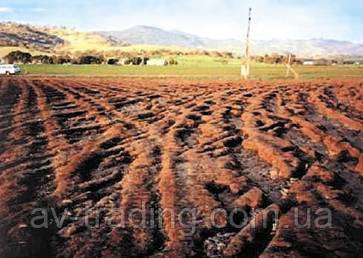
column 157, row 62
column 309, row 62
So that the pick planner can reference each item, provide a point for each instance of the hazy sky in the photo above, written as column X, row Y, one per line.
column 279, row 19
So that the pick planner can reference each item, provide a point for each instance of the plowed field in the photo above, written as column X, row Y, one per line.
column 146, row 168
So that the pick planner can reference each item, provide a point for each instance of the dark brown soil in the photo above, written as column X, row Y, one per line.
column 96, row 150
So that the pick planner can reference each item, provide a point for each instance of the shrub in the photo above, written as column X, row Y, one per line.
column 172, row 61
column 64, row 60
column 18, row 57
column 134, row 61
column 112, row 61
column 90, row 60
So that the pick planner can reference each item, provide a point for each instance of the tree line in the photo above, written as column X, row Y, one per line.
column 19, row 57
column 136, row 58
column 276, row 59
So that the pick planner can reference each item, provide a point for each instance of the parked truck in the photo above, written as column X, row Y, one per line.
column 9, row 69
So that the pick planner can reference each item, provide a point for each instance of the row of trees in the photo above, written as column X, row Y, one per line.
column 150, row 53
column 97, row 58
column 19, row 57
column 275, row 59
column 283, row 59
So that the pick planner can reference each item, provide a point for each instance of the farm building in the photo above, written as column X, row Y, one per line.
column 157, row 62
column 352, row 62
column 316, row 62
column 308, row 62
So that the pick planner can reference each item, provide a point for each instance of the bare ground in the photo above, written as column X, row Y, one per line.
column 97, row 150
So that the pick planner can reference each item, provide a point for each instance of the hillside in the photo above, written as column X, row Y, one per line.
column 81, row 41
column 303, row 48
column 37, row 38
column 58, row 40
column 19, row 35
column 52, row 40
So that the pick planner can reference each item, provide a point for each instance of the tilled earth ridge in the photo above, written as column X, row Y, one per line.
column 96, row 151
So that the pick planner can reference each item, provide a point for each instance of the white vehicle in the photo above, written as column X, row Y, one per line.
column 9, row 69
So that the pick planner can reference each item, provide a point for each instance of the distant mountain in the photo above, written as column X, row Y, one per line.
column 304, row 48
column 154, row 36
column 53, row 40
column 310, row 48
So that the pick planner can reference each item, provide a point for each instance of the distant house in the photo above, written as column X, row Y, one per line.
column 157, row 62
column 316, row 62
column 308, row 62
column 352, row 62
column 349, row 62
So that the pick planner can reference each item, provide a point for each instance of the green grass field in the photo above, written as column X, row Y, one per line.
column 196, row 67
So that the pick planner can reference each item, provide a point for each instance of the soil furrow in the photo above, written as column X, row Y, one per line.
column 167, row 168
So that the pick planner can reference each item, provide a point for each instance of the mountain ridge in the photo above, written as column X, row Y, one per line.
column 143, row 34
column 51, row 39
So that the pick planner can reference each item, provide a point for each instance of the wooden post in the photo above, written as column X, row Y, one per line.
column 289, row 68
column 246, row 66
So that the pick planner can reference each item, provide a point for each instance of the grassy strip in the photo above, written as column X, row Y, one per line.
column 226, row 71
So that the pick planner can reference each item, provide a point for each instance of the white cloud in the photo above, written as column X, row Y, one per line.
column 6, row 10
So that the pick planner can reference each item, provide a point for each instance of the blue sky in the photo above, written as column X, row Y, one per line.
column 278, row 19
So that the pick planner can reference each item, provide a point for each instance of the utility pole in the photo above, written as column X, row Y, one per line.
column 289, row 68
column 246, row 66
